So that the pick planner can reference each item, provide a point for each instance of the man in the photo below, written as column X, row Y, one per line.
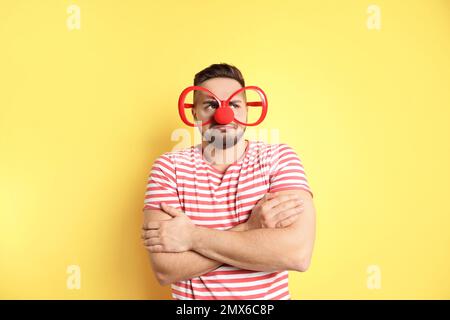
column 228, row 229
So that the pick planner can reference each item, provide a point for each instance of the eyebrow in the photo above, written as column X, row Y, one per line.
column 232, row 101
column 209, row 101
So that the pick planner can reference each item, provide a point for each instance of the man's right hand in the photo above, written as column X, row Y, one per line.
column 275, row 211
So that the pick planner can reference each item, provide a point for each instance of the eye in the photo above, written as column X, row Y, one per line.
column 235, row 104
column 211, row 104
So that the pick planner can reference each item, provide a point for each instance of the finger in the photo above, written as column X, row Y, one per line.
column 283, row 198
column 287, row 222
column 267, row 196
column 152, row 241
column 270, row 195
column 155, row 249
column 283, row 206
column 152, row 225
column 170, row 210
column 150, row 234
column 287, row 205
column 288, row 213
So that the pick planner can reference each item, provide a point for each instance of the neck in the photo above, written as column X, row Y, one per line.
column 217, row 156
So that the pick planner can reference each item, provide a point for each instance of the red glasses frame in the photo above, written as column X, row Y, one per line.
column 224, row 113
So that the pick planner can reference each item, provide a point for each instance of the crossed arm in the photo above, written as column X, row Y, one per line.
column 180, row 250
column 170, row 267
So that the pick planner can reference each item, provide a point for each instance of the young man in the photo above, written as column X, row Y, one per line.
column 228, row 229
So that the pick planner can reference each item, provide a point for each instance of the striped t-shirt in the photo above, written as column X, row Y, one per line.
column 183, row 179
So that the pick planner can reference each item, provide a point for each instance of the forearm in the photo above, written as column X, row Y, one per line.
column 173, row 267
column 259, row 249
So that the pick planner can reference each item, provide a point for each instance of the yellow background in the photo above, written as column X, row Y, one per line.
column 84, row 113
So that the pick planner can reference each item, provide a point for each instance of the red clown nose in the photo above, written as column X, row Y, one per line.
column 224, row 115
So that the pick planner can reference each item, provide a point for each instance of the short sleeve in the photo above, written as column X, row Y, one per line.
column 161, row 184
column 287, row 172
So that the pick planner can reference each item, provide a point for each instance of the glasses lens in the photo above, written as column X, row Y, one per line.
column 205, row 105
column 254, row 105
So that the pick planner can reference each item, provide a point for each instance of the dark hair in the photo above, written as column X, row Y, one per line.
column 219, row 70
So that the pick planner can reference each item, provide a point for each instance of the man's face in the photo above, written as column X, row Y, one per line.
column 222, row 136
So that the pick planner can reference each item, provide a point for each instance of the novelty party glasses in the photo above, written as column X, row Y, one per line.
column 224, row 113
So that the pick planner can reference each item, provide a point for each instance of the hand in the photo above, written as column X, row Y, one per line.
column 275, row 211
column 173, row 235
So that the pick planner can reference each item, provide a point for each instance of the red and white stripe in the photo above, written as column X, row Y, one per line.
column 221, row 201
